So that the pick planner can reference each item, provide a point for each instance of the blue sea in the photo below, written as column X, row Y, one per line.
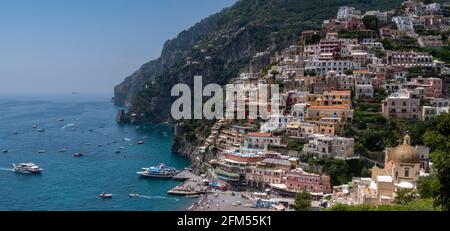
column 74, row 184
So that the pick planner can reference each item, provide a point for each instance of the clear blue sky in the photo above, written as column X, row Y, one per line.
column 54, row 46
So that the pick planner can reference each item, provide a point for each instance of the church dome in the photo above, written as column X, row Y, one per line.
column 406, row 153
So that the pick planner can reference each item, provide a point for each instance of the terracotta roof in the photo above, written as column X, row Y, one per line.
column 328, row 107
column 342, row 92
column 259, row 134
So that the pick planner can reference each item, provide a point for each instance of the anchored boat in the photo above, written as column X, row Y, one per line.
column 106, row 196
column 160, row 171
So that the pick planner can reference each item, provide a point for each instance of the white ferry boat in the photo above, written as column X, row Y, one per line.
column 29, row 168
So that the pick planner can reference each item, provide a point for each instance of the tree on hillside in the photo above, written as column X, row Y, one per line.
column 303, row 202
column 428, row 187
column 405, row 196
column 438, row 139
column 370, row 22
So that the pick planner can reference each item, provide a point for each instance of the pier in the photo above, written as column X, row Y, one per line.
column 190, row 187
column 184, row 175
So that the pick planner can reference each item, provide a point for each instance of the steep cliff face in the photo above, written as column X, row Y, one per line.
column 173, row 52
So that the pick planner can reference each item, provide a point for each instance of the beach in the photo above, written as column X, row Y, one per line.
column 224, row 201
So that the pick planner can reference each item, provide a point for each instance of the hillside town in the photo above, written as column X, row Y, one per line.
column 361, row 71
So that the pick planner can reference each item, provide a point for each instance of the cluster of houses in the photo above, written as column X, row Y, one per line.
column 321, row 79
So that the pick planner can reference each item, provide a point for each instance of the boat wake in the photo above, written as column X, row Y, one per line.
column 7, row 169
column 68, row 126
column 156, row 197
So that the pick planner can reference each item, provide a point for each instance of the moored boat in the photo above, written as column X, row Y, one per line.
column 160, row 171
column 78, row 154
column 106, row 196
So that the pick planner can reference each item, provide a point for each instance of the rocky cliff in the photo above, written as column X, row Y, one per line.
column 174, row 51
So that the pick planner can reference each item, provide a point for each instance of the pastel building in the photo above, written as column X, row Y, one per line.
column 430, row 41
column 261, row 176
column 319, row 112
column 301, row 130
column 433, row 86
column 300, row 181
column 402, row 104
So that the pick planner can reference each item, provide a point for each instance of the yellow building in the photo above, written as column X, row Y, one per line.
column 318, row 112
column 332, row 98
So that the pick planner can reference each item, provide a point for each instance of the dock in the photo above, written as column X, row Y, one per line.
column 184, row 175
column 190, row 187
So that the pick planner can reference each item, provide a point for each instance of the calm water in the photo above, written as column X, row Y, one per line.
column 70, row 183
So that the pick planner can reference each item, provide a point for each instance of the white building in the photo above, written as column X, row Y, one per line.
column 409, row 59
column 382, row 17
column 347, row 12
column 429, row 112
column 261, row 140
column 298, row 112
column 405, row 24
column 364, row 91
column 275, row 123
column 331, row 146
column 321, row 67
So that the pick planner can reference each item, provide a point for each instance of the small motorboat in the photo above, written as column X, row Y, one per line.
column 62, row 150
column 140, row 142
column 133, row 195
column 34, row 126
column 5, row 151
column 61, row 120
column 78, row 154
column 40, row 130
column 118, row 151
column 106, row 196
column 41, row 151
column 15, row 132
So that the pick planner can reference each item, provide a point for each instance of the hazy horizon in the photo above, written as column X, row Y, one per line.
column 84, row 46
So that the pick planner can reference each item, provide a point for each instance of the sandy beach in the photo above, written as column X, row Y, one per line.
column 224, row 201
